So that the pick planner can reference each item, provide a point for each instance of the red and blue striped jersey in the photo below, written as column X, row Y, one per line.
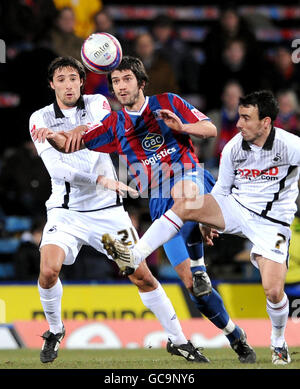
column 151, row 150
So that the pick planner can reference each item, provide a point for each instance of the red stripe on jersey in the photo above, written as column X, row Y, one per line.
column 184, row 141
column 190, row 116
column 109, row 121
column 135, row 145
column 165, row 104
column 171, row 221
column 153, row 127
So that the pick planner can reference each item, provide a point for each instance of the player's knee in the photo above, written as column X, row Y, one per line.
column 179, row 208
column 182, row 207
column 274, row 294
column 48, row 276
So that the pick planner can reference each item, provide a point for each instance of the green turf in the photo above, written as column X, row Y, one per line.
column 223, row 358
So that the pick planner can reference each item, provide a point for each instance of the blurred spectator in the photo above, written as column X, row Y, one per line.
column 24, row 25
column 288, row 117
column 24, row 22
column 177, row 53
column 284, row 74
column 104, row 23
column 64, row 40
column 84, row 11
column 161, row 75
column 24, row 91
column 225, row 120
column 234, row 65
column 231, row 26
column 24, row 181
column 27, row 257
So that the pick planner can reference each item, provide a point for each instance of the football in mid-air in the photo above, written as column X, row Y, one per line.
column 101, row 52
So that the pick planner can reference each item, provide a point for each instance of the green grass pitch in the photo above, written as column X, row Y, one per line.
column 223, row 358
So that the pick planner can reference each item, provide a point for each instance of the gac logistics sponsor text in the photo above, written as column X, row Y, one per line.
column 116, row 301
column 157, row 157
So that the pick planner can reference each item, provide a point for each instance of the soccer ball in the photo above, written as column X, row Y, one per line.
column 101, row 52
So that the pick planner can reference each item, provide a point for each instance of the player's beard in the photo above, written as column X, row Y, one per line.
column 130, row 100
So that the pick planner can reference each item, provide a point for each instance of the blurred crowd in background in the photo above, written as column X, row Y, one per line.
column 211, row 60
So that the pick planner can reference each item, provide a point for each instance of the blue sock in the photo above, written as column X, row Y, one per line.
column 196, row 268
column 234, row 335
column 213, row 308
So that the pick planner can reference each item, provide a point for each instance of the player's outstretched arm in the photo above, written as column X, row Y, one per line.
column 65, row 142
column 116, row 186
column 200, row 129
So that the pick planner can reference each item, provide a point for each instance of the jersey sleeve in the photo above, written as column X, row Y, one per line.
column 99, row 107
column 186, row 111
column 101, row 137
column 226, row 175
column 59, row 170
column 36, row 121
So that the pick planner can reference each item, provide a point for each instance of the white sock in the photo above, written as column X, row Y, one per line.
column 160, row 232
column 51, row 302
column 159, row 303
column 278, row 314
column 230, row 327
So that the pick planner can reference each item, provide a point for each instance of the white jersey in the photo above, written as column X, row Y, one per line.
column 262, row 179
column 68, row 191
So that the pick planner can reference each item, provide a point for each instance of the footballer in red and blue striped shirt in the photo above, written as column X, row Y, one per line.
column 150, row 148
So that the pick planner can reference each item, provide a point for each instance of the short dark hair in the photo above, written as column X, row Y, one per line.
column 265, row 102
column 63, row 62
column 136, row 66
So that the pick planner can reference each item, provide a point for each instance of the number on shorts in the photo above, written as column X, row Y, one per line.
column 279, row 241
column 125, row 236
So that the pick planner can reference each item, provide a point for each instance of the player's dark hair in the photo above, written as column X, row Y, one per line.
column 265, row 102
column 136, row 66
column 63, row 62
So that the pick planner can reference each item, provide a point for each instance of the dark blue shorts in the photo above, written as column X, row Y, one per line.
column 188, row 242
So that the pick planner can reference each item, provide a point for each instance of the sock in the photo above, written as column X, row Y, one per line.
column 51, row 302
column 159, row 303
column 198, row 265
column 213, row 308
column 278, row 314
column 160, row 231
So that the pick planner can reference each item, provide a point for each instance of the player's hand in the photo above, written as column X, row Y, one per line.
column 171, row 120
column 41, row 134
column 74, row 139
column 208, row 235
column 117, row 186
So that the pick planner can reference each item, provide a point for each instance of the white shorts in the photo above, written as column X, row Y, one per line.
column 70, row 230
column 271, row 240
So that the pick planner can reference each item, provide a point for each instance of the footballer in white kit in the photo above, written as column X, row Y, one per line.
column 79, row 211
column 254, row 197
column 260, row 185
